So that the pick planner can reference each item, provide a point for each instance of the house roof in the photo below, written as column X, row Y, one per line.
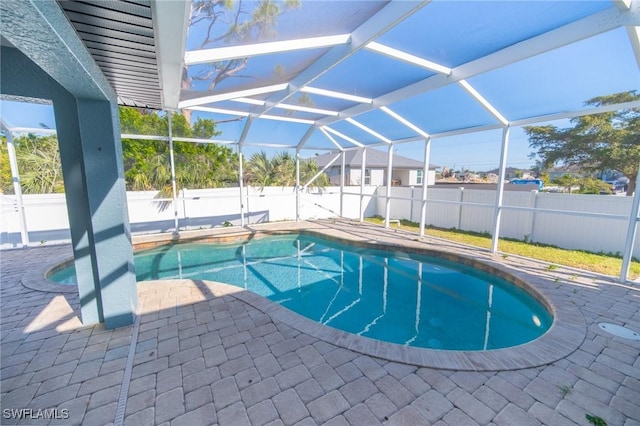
column 375, row 158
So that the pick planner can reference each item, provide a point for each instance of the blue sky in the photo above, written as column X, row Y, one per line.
column 556, row 81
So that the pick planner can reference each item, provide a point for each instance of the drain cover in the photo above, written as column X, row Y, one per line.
column 618, row 330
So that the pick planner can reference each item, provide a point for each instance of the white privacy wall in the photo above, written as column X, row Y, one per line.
column 596, row 234
column 47, row 219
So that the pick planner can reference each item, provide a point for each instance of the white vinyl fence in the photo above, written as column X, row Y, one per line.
column 47, row 221
column 572, row 227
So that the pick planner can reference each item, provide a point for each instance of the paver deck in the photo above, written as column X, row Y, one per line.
column 207, row 353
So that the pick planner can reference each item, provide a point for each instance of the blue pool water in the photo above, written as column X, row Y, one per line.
column 406, row 299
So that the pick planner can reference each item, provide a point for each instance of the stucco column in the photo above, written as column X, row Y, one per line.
column 91, row 155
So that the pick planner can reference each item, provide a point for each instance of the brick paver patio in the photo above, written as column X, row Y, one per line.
column 205, row 354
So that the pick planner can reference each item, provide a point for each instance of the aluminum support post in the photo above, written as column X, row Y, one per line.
column 425, row 183
column 342, row 169
column 297, row 185
column 631, row 231
column 241, row 183
column 388, row 201
column 174, row 192
column 362, row 171
column 500, row 189
column 17, row 189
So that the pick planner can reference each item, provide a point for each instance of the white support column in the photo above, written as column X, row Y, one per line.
column 362, row 171
column 241, row 184
column 342, row 170
column 174, row 192
column 425, row 183
column 388, row 203
column 297, row 185
column 500, row 189
column 631, row 231
column 17, row 189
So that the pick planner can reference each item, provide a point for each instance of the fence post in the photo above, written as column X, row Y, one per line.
column 460, row 207
column 535, row 195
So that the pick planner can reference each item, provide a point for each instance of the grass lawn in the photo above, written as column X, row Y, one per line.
column 600, row 263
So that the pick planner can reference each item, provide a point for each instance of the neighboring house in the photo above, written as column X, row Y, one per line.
column 556, row 172
column 512, row 173
column 405, row 171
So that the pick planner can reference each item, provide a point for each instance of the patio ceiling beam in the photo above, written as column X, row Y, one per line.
column 232, row 95
column 170, row 34
column 368, row 130
column 408, row 58
column 205, row 56
column 388, row 17
column 571, row 33
column 483, row 101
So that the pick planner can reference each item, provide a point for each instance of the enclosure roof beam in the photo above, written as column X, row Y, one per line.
column 343, row 136
column 232, row 95
column 205, row 56
column 324, row 131
column 334, row 94
column 571, row 33
column 407, row 57
column 404, row 121
column 368, row 130
column 389, row 16
column 483, row 101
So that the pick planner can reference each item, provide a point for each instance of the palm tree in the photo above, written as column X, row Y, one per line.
column 283, row 167
column 259, row 170
column 281, row 171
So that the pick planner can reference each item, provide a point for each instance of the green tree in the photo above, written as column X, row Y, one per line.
column 198, row 165
column 236, row 22
column 591, row 185
column 147, row 165
column 596, row 142
column 38, row 164
column 567, row 181
column 281, row 171
column 259, row 171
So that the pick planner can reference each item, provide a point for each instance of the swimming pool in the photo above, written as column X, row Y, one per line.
column 407, row 299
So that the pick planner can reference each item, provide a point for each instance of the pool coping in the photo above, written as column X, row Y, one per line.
column 565, row 335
